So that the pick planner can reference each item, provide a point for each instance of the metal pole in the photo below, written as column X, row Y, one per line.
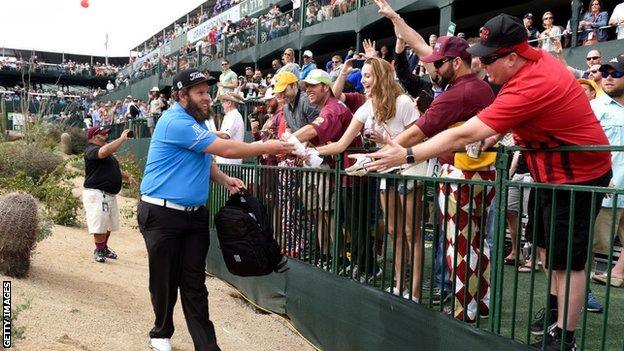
column 574, row 22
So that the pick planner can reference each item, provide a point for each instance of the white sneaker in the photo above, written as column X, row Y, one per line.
column 160, row 344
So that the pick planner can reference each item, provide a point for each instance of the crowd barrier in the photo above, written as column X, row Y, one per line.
column 345, row 226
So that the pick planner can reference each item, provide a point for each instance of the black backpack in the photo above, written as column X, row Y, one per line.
column 246, row 237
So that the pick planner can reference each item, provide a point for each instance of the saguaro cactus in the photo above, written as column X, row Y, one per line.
column 19, row 225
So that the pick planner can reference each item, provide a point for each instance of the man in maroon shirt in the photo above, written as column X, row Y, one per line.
column 332, row 122
column 542, row 112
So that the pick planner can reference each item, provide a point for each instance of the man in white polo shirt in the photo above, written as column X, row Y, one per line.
column 232, row 126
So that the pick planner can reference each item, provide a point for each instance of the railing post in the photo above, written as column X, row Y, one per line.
column 337, row 209
column 574, row 22
column 498, row 251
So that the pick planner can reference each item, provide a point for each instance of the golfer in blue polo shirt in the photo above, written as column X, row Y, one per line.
column 171, row 214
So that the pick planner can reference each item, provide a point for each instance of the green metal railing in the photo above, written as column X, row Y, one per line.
column 347, row 227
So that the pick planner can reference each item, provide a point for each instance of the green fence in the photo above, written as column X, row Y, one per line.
column 387, row 240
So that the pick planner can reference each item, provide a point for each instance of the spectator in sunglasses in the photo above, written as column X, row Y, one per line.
column 550, row 33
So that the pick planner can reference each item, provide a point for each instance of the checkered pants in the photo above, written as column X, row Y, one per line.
column 463, row 236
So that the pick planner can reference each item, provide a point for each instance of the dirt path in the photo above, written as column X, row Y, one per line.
column 78, row 304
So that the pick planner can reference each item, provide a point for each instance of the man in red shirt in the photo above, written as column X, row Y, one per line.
column 333, row 120
column 541, row 103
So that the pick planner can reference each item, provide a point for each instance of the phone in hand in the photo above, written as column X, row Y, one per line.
column 130, row 134
column 424, row 101
column 358, row 64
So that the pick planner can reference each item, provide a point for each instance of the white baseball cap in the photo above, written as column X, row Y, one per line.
column 307, row 53
column 155, row 89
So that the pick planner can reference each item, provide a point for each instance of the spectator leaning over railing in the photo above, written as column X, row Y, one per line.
column 467, row 95
column 609, row 109
column 386, row 113
column 591, row 23
column 617, row 19
column 541, row 112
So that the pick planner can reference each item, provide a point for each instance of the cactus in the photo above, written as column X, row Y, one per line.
column 19, row 226
column 66, row 144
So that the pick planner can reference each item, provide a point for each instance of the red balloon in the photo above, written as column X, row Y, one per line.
column 84, row 3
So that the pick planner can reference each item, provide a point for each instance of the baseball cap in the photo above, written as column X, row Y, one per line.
column 318, row 76
column 504, row 34
column 155, row 89
column 189, row 77
column 282, row 80
column 617, row 63
column 528, row 15
column 93, row 131
column 308, row 53
column 448, row 47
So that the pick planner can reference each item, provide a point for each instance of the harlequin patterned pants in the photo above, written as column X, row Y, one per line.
column 292, row 214
column 465, row 213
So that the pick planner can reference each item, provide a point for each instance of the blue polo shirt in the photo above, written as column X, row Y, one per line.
column 177, row 169
column 610, row 114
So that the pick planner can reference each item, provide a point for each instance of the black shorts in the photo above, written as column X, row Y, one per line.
column 580, row 231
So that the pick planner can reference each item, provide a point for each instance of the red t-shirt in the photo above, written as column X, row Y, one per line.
column 463, row 100
column 545, row 107
column 354, row 101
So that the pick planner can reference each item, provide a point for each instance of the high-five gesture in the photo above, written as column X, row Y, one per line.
column 385, row 9
column 369, row 48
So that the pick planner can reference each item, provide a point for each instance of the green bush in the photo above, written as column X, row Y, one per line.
column 129, row 164
column 78, row 138
column 54, row 191
column 32, row 159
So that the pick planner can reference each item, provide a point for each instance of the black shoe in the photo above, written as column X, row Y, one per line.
column 99, row 255
column 110, row 253
column 537, row 327
column 553, row 342
column 439, row 296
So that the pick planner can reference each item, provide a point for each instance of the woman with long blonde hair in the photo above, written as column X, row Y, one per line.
column 387, row 112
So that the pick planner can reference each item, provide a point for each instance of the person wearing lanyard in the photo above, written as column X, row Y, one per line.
column 171, row 214
column 102, row 182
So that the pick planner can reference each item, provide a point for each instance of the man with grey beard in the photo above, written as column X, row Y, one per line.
column 171, row 214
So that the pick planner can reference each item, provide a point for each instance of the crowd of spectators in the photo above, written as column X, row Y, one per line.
column 65, row 67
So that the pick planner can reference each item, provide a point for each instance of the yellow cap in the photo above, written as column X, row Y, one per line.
column 282, row 80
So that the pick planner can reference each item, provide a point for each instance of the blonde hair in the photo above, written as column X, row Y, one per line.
column 385, row 89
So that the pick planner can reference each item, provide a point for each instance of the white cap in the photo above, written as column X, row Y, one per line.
column 308, row 53
column 155, row 89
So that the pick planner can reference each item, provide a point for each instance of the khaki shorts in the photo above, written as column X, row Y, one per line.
column 318, row 193
column 602, row 235
column 102, row 212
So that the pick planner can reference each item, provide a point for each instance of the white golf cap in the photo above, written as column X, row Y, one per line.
column 308, row 53
column 155, row 89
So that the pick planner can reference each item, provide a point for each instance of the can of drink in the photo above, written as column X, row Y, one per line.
column 474, row 150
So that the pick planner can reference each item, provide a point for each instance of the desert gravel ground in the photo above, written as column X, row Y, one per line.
column 78, row 304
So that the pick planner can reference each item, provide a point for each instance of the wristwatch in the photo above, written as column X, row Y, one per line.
column 410, row 155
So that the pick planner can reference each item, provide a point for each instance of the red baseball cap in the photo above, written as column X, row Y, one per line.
column 93, row 131
column 448, row 47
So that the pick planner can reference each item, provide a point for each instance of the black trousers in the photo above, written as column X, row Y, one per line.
column 177, row 244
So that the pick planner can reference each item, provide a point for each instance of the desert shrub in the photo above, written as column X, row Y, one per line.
column 31, row 159
column 54, row 191
column 129, row 164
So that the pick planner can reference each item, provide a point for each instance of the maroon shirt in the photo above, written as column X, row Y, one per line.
column 331, row 124
column 354, row 101
column 463, row 100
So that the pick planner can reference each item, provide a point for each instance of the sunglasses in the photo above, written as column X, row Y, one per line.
column 286, row 54
column 224, row 64
column 614, row 74
column 594, row 58
column 547, row 18
column 439, row 63
column 488, row 60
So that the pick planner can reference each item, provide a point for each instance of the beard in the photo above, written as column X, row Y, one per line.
column 196, row 111
column 446, row 78
column 615, row 92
